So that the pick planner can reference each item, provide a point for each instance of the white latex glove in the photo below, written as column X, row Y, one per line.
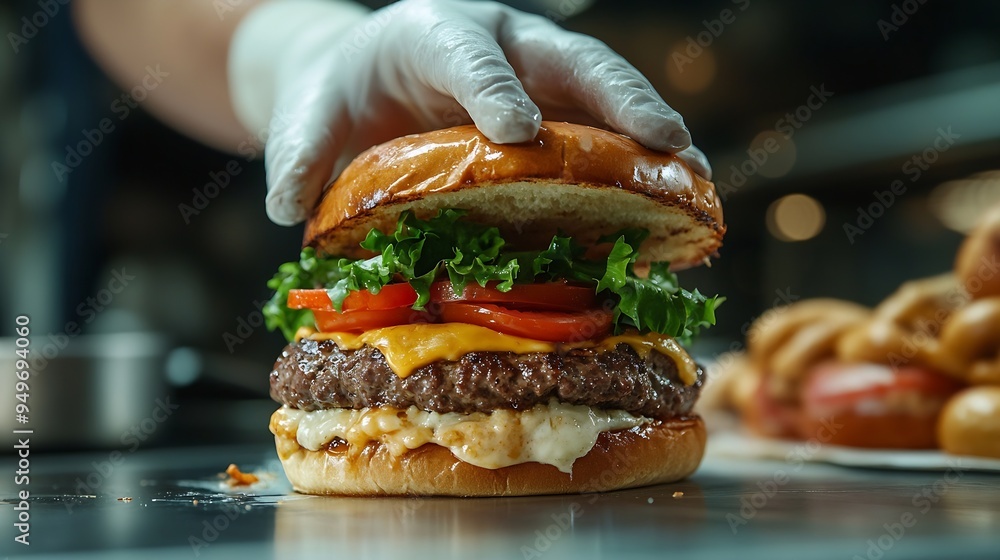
column 328, row 79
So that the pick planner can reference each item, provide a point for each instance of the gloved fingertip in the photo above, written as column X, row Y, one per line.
column 510, row 125
column 701, row 168
column 698, row 162
column 284, row 207
column 678, row 139
column 660, row 128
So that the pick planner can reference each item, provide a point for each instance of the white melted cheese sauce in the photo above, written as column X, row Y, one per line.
column 555, row 434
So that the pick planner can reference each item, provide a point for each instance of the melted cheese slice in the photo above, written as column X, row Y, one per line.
column 643, row 344
column 555, row 434
column 409, row 347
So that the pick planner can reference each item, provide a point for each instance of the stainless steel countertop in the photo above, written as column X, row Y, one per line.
column 728, row 509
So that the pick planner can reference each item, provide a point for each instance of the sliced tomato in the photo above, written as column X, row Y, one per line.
column 309, row 299
column 553, row 296
column 555, row 311
column 390, row 296
column 364, row 320
column 556, row 296
column 874, row 405
column 844, row 384
column 539, row 325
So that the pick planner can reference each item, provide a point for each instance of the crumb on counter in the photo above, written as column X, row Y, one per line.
column 238, row 477
column 678, row 494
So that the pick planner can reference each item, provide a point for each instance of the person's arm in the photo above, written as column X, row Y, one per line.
column 188, row 42
column 185, row 39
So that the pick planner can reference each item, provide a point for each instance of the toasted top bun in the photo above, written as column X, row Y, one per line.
column 580, row 180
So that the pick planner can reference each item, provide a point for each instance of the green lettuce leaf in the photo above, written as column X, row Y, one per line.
column 422, row 251
column 309, row 272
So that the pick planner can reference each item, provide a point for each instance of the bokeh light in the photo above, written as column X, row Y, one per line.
column 959, row 204
column 795, row 217
column 690, row 71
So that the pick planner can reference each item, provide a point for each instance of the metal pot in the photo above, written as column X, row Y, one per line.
column 98, row 391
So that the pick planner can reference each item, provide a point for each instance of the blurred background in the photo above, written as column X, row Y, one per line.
column 853, row 142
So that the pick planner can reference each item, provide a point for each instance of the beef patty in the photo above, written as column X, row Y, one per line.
column 313, row 375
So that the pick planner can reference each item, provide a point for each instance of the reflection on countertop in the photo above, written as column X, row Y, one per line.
column 174, row 503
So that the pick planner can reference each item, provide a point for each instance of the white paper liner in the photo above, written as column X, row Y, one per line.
column 735, row 444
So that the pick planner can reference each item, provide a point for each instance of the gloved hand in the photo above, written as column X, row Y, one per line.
column 327, row 79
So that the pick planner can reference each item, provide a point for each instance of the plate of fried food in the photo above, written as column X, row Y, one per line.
column 913, row 382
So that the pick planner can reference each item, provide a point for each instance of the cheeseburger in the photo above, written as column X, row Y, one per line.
column 474, row 319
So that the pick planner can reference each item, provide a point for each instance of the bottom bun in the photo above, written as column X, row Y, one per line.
column 885, row 431
column 663, row 451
